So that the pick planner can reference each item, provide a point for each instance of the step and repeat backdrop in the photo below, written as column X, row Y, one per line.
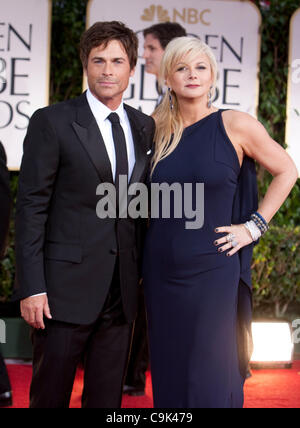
column 236, row 43
column 25, row 37
column 25, row 28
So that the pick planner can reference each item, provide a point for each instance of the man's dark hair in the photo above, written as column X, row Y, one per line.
column 165, row 32
column 102, row 33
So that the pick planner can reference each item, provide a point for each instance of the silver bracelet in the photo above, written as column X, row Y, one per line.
column 260, row 222
column 253, row 229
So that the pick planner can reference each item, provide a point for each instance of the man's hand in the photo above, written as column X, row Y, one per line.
column 33, row 310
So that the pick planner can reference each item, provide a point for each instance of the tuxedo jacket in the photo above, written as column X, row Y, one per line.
column 5, row 201
column 62, row 247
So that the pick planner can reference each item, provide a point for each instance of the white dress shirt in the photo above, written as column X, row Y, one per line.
column 101, row 112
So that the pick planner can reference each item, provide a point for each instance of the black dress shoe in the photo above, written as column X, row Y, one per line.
column 6, row 399
column 133, row 391
column 136, row 392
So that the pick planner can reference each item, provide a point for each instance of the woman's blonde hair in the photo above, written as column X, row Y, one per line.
column 169, row 123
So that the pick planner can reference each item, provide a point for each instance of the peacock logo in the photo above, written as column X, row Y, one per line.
column 150, row 13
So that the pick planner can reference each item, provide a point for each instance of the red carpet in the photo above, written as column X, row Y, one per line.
column 266, row 389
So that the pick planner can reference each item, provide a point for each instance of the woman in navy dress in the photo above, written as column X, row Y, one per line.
column 197, row 277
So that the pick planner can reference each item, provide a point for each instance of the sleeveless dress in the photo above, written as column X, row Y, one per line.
column 192, row 292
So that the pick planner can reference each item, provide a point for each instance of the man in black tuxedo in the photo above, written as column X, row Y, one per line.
column 78, row 275
column 5, row 204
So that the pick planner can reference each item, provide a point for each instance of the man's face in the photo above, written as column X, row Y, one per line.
column 108, row 72
column 153, row 53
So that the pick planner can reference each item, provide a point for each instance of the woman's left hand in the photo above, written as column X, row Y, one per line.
column 241, row 237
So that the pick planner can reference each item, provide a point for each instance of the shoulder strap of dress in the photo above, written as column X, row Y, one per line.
column 219, row 113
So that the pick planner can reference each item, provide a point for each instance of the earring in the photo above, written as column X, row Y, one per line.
column 209, row 104
column 171, row 99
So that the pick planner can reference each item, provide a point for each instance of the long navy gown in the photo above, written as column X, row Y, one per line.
column 198, row 300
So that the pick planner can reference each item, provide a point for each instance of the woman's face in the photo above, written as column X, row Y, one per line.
column 191, row 78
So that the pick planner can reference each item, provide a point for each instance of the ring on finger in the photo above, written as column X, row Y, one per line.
column 234, row 243
column 230, row 237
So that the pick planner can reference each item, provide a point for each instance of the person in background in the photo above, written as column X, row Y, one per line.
column 156, row 38
column 5, row 204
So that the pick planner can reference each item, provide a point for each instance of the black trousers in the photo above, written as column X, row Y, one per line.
column 139, row 356
column 102, row 346
column 4, row 380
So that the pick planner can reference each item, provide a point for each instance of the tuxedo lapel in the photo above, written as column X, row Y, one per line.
column 90, row 137
column 139, row 137
column 88, row 132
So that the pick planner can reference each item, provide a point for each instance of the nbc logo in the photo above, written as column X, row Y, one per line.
column 186, row 15
column 150, row 13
